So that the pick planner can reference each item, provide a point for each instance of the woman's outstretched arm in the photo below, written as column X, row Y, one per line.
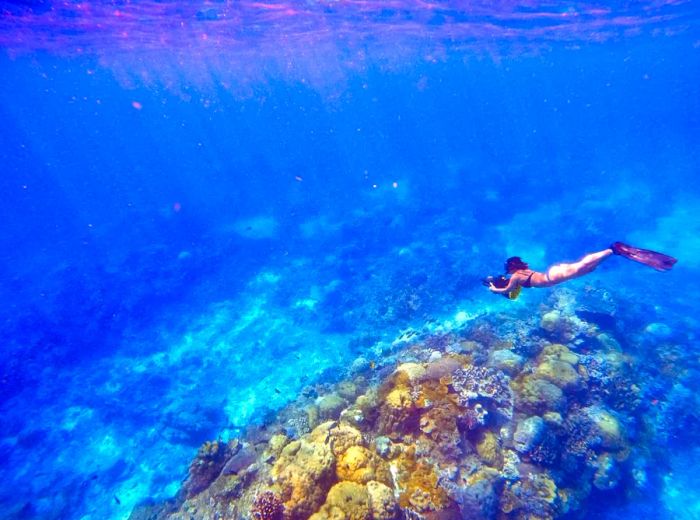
column 512, row 283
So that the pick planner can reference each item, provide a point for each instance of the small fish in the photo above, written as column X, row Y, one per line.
column 116, row 499
column 277, row 390
column 328, row 434
column 372, row 365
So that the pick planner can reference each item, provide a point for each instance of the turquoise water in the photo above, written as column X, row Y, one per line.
column 210, row 207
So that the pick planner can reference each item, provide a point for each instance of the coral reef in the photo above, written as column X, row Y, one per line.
column 358, row 464
column 267, row 506
column 302, row 474
column 470, row 425
column 347, row 500
column 207, row 465
column 483, row 385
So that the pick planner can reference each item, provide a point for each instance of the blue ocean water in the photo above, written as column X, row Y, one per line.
column 210, row 206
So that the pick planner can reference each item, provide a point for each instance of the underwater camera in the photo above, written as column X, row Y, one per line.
column 499, row 281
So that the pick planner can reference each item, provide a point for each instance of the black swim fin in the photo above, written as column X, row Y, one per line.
column 658, row 261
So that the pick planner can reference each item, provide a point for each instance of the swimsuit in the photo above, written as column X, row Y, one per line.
column 528, row 283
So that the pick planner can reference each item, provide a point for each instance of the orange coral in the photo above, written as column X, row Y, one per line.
column 358, row 464
column 418, row 484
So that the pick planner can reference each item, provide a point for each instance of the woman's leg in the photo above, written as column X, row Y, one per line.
column 589, row 262
column 562, row 272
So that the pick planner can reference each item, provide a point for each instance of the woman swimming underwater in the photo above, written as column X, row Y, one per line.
column 522, row 276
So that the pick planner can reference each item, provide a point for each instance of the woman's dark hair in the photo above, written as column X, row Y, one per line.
column 514, row 263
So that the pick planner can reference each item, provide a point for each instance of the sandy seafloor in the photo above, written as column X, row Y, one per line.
column 180, row 263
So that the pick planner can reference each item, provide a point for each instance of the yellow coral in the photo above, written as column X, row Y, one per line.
column 418, row 484
column 489, row 449
column 427, row 408
column 345, row 501
column 558, row 372
column 302, row 474
column 397, row 404
column 382, row 501
column 545, row 488
column 556, row 351
column 276, row 443
column 484, row 473
column 414, row 371
column 338, row 435
column 536, row 491
column 434, row 391
column 607, row 427
column 399, row 398
column 537, row 394
column 358, row 464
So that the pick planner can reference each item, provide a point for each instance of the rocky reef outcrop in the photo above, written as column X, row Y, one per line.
column 478, row 422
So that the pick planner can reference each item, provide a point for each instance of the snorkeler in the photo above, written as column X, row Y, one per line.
column 522, row 276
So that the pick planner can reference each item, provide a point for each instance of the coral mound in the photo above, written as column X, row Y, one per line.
column 476, row 426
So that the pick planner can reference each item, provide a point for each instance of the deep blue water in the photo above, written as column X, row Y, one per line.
column 188, row 238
